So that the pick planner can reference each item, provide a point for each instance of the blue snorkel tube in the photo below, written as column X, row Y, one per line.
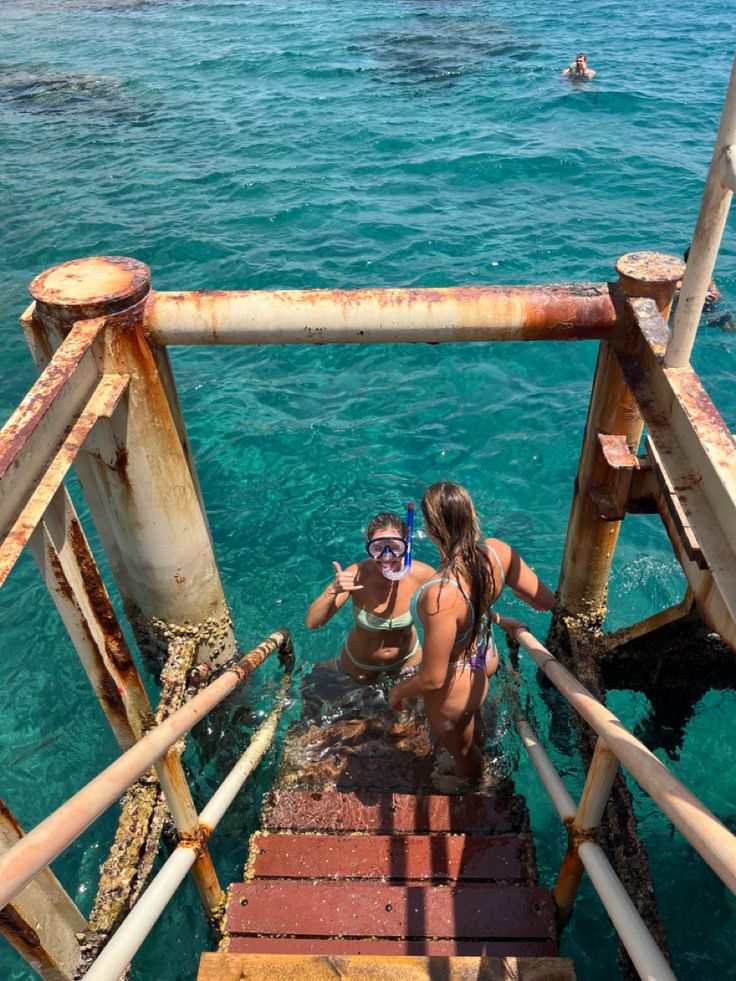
column 409, row 539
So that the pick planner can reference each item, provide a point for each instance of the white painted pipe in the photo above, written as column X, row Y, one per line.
column 644, row 952
column 646, row 956
column 49, row 838
column 230, row 786
column 131, row 933
column 381, row 316
column 137, row 925
column 706, row 239
column 710, row 839
column 563, row 802
column 729, row 168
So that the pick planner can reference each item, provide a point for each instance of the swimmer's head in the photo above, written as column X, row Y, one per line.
column 581, row 58
column 386, row 537
column 386, row 520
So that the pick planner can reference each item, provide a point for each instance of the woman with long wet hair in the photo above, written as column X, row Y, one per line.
column 454, row 608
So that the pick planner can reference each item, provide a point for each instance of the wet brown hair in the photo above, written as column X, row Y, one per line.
column 450, row 518
column 384, row 520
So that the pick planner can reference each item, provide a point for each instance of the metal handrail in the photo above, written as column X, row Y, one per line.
column 714, row 208
column 134, row 929
column 641, row 947
column 34, row 852
column 707, row 835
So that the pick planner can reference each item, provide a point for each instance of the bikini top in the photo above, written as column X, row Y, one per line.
column 414, row 605
column 372, row 621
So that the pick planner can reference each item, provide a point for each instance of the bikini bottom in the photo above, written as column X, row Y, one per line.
column 387, row 668
column 479, row 660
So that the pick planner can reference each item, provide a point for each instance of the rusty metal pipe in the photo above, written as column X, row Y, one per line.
column 711, row 221
column 591, row 539
column 38, row 428
column 49, row 838
column 380, row 316
column 710, row 839
column 140, row 921
column 597, row 790
column 639, row 943
column 42, row 922
column 133, row 471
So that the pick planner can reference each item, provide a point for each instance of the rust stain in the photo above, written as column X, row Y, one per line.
column 617, row 453
column 246, row 665
column 196, row 840
column 13, row 925
column 559, row 311
column 40, row 399
column 8, row 816
column 110, row 695
column 96, row 285
column 699, row 406
column 63, row 586
column 651, row 267
column 99, row 600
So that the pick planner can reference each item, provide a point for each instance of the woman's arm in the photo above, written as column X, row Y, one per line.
column 440, row 635
column 329, row 601
column 522, row 579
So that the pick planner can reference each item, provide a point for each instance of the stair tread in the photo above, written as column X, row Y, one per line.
column 365, row 908
column 393, row 812
column 397, row 856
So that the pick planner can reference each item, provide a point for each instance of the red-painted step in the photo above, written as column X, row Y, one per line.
column 304, row 810
column 377, row 909
column 436, row 857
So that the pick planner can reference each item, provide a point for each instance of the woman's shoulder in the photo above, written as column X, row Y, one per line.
column 500, row 549
column 496, row 545
column 442, row 592
column 421, row 572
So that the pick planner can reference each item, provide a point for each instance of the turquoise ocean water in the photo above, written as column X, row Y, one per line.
column 341, row 144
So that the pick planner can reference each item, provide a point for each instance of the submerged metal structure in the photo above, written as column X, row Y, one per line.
column 106, row 403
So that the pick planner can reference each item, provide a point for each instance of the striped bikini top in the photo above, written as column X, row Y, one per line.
column 414, row 605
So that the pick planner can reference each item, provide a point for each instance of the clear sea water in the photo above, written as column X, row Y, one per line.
column 340, row 144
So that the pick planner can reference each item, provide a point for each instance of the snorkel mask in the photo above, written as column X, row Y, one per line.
column 388, row 573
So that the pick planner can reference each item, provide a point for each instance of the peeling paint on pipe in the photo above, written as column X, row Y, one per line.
column 581, row 311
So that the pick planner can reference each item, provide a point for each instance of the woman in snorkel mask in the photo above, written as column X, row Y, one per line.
column 383, row 639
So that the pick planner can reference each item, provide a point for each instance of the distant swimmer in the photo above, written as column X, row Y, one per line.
column 578, row 69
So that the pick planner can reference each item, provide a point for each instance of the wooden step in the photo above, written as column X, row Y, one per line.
column 399, row 856
column 275, row 967
column 329, row 811
column 374, row 948
column 371, row 908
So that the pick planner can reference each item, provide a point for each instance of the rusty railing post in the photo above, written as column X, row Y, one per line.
column 42, row 921
column 592, row 536
column 593, row 800
column 133, row 470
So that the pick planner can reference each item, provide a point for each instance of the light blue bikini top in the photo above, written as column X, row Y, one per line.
column 372, row 621
column 414, row 605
